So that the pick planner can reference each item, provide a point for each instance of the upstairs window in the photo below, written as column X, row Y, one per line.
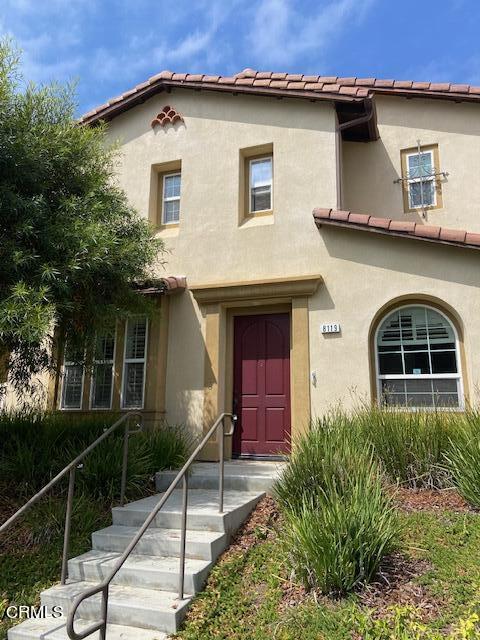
column 134, row 363
column 102, row 376
column 171, row 198
column 72, row 381
column 260, row 184
column 421, row 179
column 417, row 360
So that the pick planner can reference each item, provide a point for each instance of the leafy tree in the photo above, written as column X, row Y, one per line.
column 70, row 244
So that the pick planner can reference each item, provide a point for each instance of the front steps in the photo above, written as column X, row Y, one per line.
column 143, row 602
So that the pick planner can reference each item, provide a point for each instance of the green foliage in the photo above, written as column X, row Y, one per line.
column 70, row 244
column 410, row 445
column 340, row 523
column 36, row 446
column 463, row 457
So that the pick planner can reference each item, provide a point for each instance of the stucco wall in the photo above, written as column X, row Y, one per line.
column 362, row 272
column 370, row 169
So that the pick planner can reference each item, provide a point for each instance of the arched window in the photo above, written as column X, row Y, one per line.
column 418, row 363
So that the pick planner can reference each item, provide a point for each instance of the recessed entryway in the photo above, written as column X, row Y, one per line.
column 261, row 384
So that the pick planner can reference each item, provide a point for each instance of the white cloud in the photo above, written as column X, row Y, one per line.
column 282, row 34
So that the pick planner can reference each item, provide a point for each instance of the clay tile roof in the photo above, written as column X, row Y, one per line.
column 398, row 228
column 346, row 89
column 160, row 286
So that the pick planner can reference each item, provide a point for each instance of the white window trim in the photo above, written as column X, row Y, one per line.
column 427, row 376
column 92, row 381
column 425, row 179
column 267, row 184
column 62, row 394
column 172, row 198
column 133, row 361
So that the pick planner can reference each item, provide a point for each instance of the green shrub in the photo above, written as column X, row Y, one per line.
column 409, row 444
column 463, row 457
column 36, row 446
column 339, row 521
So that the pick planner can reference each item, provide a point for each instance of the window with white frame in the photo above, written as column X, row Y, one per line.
column 134, row 363
column 260, row 184
column 421, row 179
column 417, row 360
column 172, row 183
column 102, row 374
column 72, row 381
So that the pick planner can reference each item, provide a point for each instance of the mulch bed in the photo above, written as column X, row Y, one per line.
column 259, row 525
column 396, row 585
column 410, row 500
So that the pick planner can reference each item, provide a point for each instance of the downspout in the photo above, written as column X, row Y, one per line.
column 339, row 128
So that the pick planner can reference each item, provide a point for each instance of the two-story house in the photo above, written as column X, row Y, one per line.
column 323, row 238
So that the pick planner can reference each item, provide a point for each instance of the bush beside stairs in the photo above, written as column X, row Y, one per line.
column 143, row 599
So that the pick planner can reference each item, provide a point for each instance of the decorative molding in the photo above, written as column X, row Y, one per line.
column 168, row 115
column 256, row 289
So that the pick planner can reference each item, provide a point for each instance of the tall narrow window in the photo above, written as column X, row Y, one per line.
column 134, row 363
column 102, row 376
column 260, row 184
column 417, row 360
column 421, row 178
column 171, row 198
column 72, row 381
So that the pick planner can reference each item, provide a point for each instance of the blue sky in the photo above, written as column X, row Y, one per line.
column 108, row 46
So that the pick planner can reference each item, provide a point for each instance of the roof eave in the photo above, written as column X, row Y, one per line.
column 108, row 112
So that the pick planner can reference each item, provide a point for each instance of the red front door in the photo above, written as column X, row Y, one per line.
column 261, row 384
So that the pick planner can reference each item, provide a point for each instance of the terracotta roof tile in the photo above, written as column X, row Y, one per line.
column 402, row 228
column 347, row 88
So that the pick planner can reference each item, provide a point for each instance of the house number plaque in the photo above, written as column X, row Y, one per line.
column 330, row 327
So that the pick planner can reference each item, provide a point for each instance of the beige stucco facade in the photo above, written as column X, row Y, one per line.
column 261, row 263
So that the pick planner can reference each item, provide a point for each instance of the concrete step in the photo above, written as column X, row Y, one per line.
column 54, row 629
column 240, row 475
column 203, row 545
column 147, row 572
column 202, row 511
column 144, row 608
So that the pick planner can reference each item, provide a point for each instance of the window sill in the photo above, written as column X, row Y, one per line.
column 261, row 218
column 168, row 230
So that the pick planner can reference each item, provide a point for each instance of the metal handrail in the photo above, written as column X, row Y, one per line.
column 103, row 586
column 71, row 468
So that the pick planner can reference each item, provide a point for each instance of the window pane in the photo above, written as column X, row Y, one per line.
column 419, row 386
column 394, row 399
column 389, row 333
column 415, row 400
column 261, row 173
column 390, row 363
column 102, row 386
column 422, row 193
column 447, row 400
column 261, row 199
column 413, row 322
column 417, row 363
column 105, row 347
column 133, row 384
column 393, row 386
column 440, row 332
column 72, row 386
column 420, row 165
column 445, row 385
column 136, row 336
column 172, row 186
column 171, row 211
column 444, row 362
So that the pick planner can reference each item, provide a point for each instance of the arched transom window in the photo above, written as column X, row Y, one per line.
column 417, row 359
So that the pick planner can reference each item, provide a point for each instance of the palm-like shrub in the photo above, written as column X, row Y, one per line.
column 339, row 522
